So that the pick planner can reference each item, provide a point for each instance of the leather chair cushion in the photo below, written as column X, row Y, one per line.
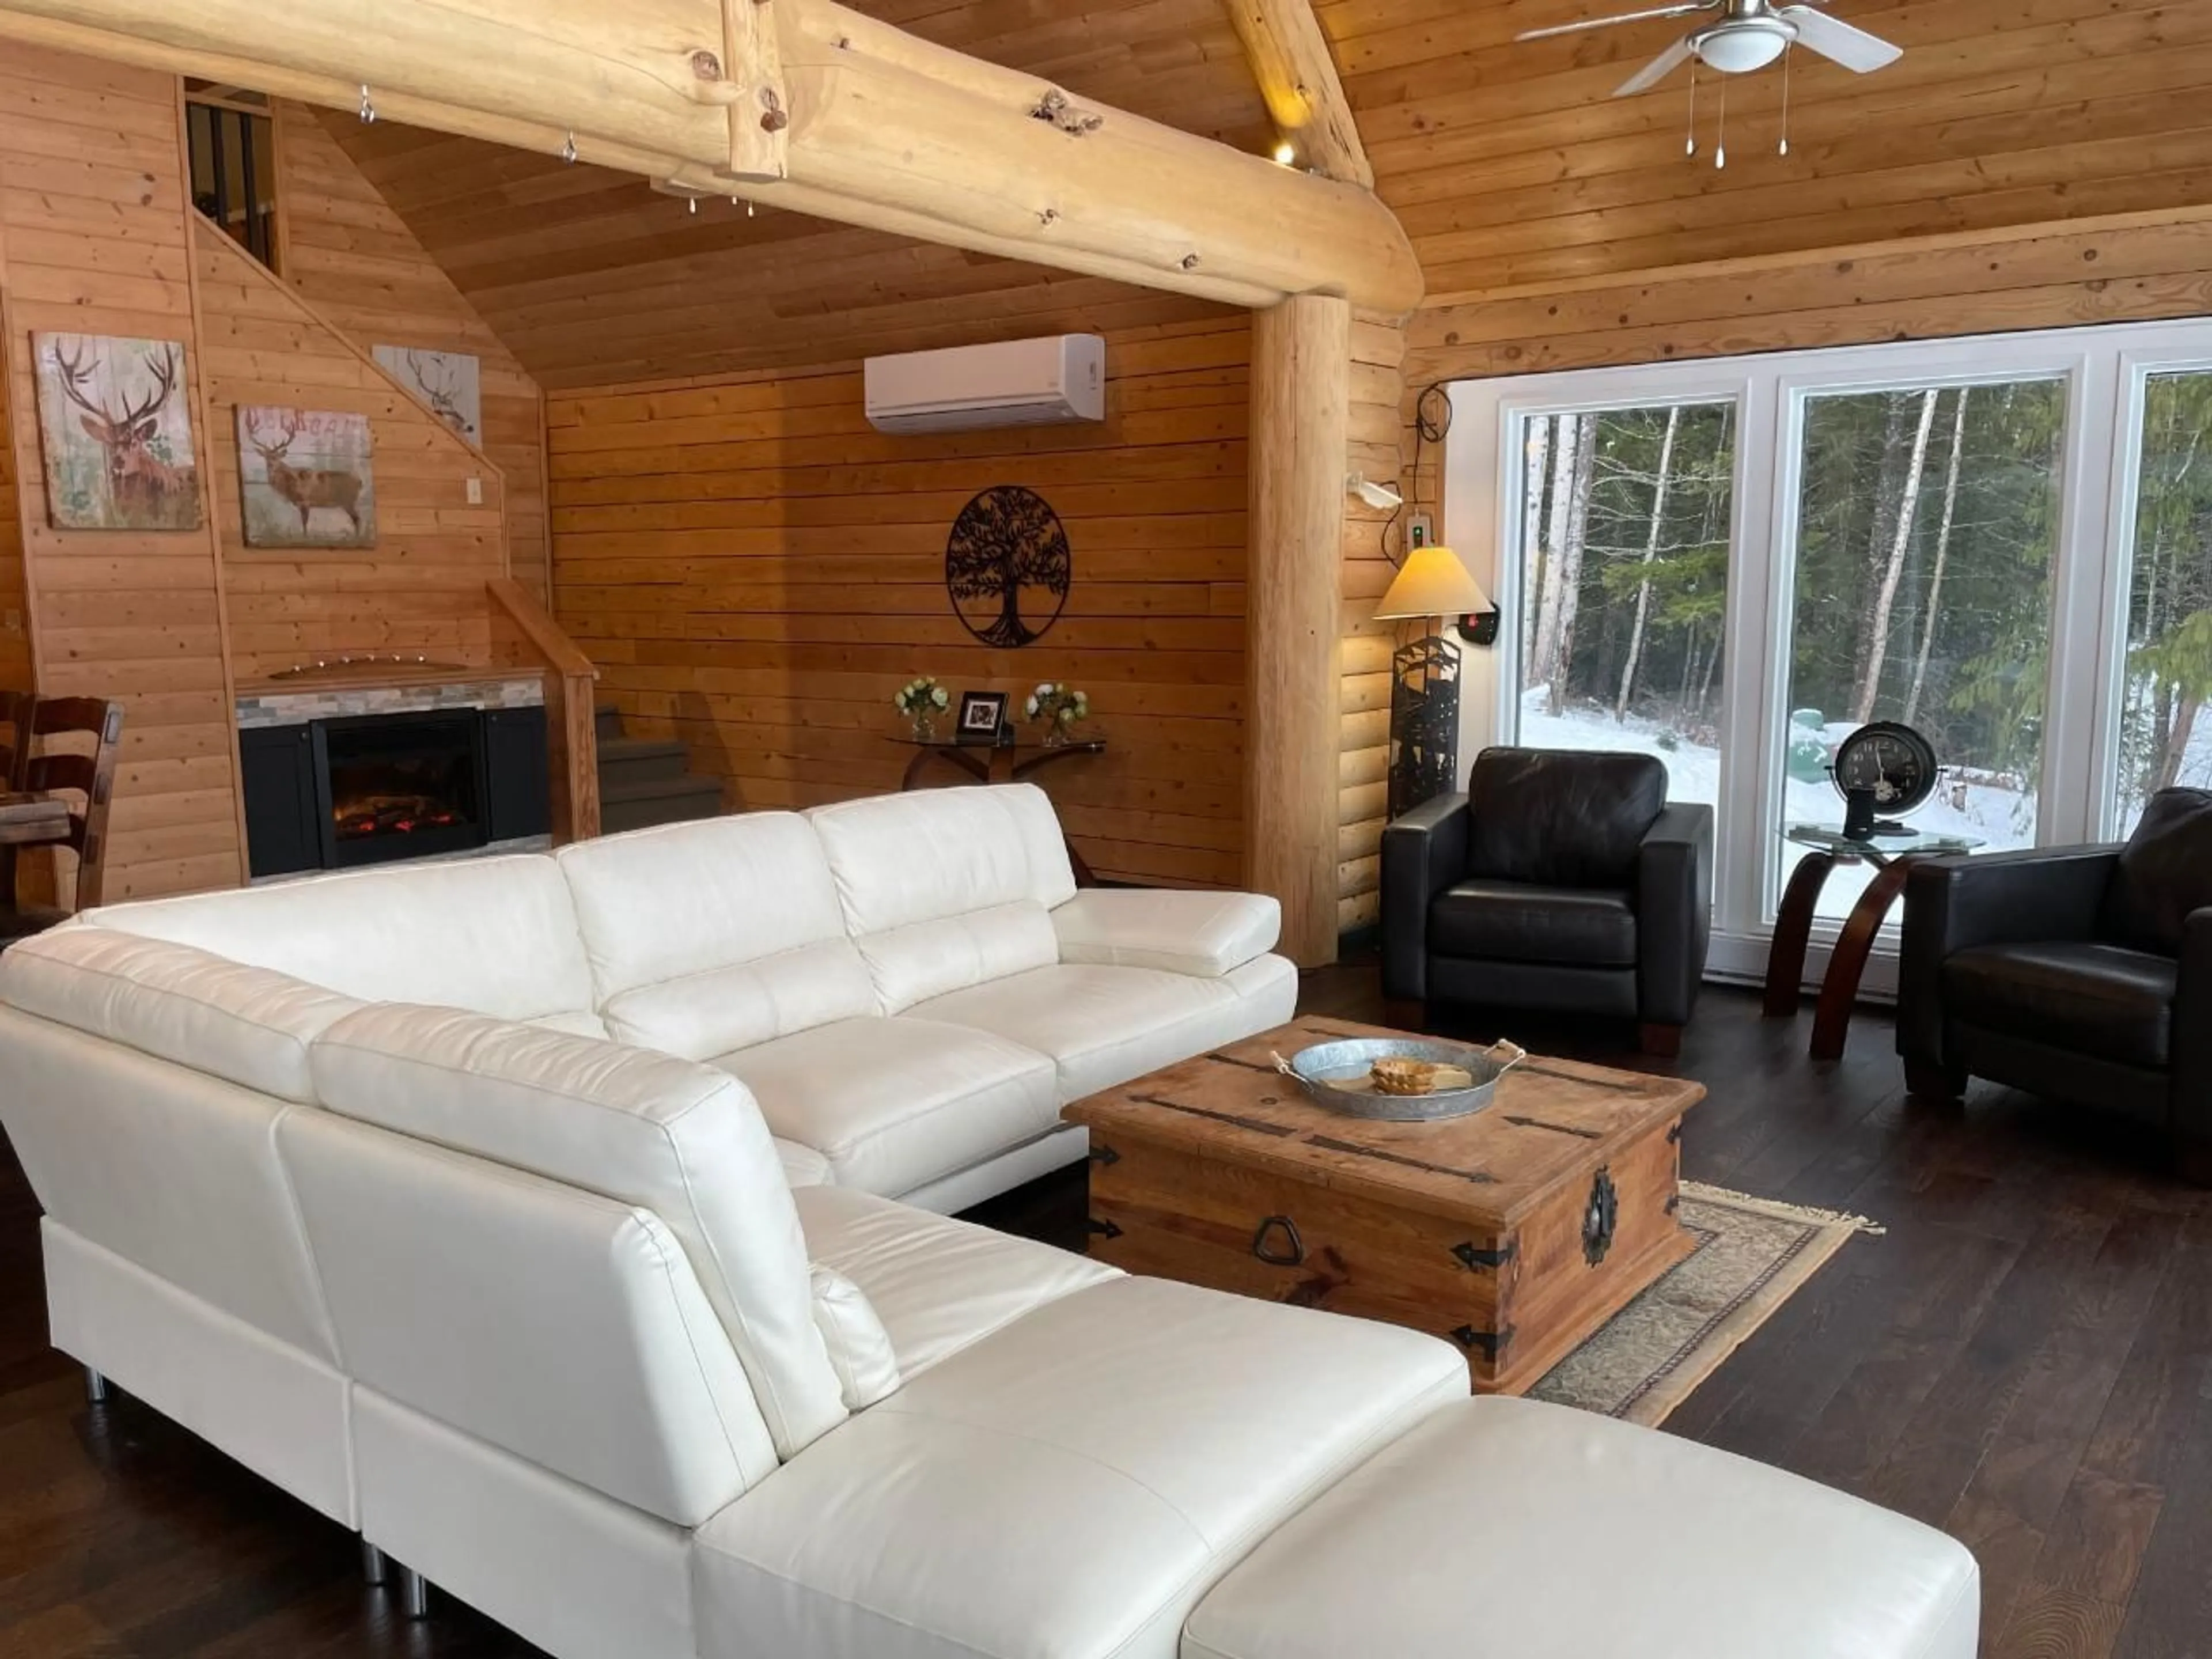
column 2101, row 999
column 894, row 1104
column 1560, row 818
column 939, row 1286
column 495, row 936
column 1489, row 1528
column 2165, row 874
column 1069, row 1485
column 1514, row 921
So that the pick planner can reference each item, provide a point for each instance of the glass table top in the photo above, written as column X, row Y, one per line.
column 1831, row 838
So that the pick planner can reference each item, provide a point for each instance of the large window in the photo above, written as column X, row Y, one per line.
column 2005, row 542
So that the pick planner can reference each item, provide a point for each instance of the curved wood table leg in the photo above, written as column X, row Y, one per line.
column 1839, row 991
column 1793, row 931
column 978, row 771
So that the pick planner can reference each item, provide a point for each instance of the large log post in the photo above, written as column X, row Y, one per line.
column 1301, row 374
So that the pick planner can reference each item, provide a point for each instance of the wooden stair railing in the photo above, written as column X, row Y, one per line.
column 570, row 680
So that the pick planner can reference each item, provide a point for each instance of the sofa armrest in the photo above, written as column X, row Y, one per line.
column 1176, row 930
column 1954, row 904
column 1423, row 853
column 1674, row 914
column 2192, row 1035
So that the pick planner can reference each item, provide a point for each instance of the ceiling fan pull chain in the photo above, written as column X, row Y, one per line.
column 1720, row 132
column 1689, row 147
column 1787, row 53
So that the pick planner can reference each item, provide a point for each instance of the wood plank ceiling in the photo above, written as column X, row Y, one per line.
column 591, row 278
column 1510, row 164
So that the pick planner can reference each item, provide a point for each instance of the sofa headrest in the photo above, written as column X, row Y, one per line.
column 678, row 1139
column 2164, row 872
column 899, row 860
column 1560, row 817
column 247, row 1025
column 497, row 936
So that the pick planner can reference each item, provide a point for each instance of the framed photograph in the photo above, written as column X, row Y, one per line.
column 981, row 714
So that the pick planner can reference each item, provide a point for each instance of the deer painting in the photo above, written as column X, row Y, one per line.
column 446, row 383
column 326, row 474
column 117, row 434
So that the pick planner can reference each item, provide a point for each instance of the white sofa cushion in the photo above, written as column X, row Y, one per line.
column 707, row 937
column 681, row 1140
column 936, row 1284
column 1103, row 1026
column 1177, row 930
column 246, row 1025
column 497, row 936
column 859, row 1347
column 802, row 1165
column 947, row 888
column 1555, row 1531
column 1069, row 1486
column 896, row 1104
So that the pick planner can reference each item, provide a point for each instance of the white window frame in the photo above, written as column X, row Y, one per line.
column 2104, row 369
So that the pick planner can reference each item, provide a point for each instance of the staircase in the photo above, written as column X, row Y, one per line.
column 642, row 782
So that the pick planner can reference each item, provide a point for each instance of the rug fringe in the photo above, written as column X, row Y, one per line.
column 1774, row 1206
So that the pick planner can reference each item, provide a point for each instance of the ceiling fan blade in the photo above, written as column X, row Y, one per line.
column 1655, row 71
column 1854, row 48
column 1690, row 8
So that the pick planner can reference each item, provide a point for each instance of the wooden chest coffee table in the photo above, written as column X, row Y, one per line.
column 1515, row 1232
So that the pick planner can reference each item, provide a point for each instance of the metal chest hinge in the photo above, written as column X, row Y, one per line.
column 1105, row 1155
column 1674, row 1132
column 1473, row 1257
column 1103, row 1228
column 1493, row 1343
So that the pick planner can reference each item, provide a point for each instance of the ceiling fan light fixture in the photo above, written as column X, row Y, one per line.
column 1738, row 48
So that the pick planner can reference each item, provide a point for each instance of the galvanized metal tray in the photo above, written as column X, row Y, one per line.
column 1339, row 1075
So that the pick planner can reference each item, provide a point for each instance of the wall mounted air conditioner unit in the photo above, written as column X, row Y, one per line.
column 1014, row 383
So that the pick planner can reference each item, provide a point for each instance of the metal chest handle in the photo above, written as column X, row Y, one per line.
column 1291, row 1258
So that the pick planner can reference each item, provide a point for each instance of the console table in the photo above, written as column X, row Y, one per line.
column 998, row 762
column 1893, row 857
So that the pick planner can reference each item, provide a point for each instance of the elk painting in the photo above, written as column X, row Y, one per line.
column 115, row 424
column 306, row 477
column 446, row 383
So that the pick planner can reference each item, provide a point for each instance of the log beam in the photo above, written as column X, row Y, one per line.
column 1301, row 389
column 883, row 129
column 1297, row 76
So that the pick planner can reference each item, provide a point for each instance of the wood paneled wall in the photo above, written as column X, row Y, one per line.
column 757, row 572
column 419, row 591
column 1377, row 387
column 15, row 599
column 345, row 249
column 94, row 239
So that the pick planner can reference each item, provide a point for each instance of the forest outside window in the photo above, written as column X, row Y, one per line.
column 2003, row 541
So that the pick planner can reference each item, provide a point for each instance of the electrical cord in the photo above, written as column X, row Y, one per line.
column 1432, row 419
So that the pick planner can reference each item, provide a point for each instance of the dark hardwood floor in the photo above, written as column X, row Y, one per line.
column 2024, row 1358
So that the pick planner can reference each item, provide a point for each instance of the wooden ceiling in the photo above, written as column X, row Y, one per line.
column 1510, row 164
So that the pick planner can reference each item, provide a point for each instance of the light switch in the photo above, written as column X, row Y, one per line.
column 475, row 492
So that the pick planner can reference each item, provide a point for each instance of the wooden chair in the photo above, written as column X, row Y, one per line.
column 34, row 763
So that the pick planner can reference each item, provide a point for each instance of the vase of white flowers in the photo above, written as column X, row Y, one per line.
column 921, row 699
column 1059, row 709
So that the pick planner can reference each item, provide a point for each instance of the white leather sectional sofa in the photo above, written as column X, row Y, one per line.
column 447, row 1200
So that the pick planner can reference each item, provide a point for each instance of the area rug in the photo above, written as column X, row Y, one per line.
column 1753, row 1255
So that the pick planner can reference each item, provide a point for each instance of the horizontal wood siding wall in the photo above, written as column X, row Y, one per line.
column 419, row 591
column 14, row 598
column 93, row 239
column 355, row 260
column 757, row 572
column 1371, row 537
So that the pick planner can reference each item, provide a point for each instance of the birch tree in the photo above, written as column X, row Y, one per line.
column 1876, row 650
column 1662, row 476
column 1933, row 611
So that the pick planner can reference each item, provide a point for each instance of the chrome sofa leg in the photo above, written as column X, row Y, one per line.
column 95, row 1387
column 375, row 1564
column 414, row 1594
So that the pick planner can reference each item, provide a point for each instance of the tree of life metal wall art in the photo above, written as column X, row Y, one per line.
column 1007, row 566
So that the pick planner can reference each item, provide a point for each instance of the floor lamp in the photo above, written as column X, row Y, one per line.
column 1431, row 584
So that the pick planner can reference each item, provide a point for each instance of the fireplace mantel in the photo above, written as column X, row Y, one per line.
column 381, row 692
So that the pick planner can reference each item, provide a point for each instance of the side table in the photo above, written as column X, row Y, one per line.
column 1893, row 857
column 1002, row 763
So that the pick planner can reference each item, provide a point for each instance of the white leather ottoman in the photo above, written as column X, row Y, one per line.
column 1501, row 1525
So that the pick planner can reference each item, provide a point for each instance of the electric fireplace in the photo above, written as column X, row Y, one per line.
column 399, row 786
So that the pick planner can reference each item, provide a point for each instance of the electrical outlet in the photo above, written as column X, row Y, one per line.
column 475, row 492
column 1421, row 529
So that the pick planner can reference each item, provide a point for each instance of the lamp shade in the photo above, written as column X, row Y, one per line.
column 1432, row 582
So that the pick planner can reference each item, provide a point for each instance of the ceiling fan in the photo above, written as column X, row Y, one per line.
column 1746, row 34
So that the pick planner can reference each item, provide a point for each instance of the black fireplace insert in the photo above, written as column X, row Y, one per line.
column 373, row 788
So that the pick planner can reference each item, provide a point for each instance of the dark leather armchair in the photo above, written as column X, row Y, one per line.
column 2081, row 973
column 1561, row 881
